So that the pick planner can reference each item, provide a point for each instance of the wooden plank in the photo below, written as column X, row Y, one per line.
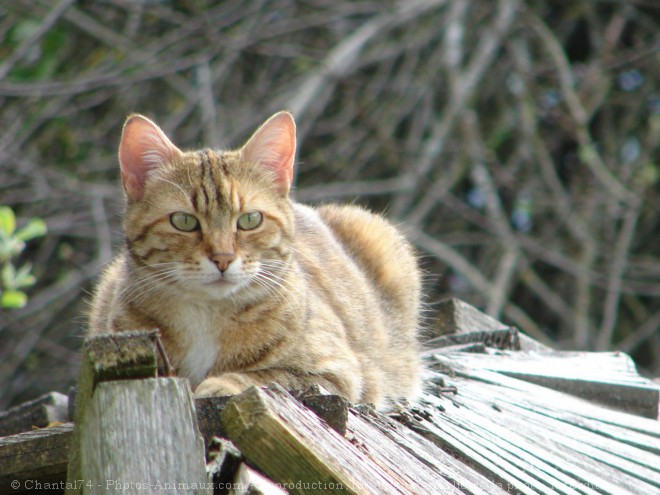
column 464, row 448
column 296, row 449
column 603, row 443
column 125, row 355
column 331, row 408
column 456, row 316
column 38, row 456
column 368, row 427
column 636, row 399
column 223, row 460
column 142, row 435
column 385, row 452
column 119, row 356
column 515, row 442
column 42, row 456
column 608, row 378
column 505, row 339
column 615, row 462
column 41, row 412
column 598, row 366
column 567, row 405
column 547, row 425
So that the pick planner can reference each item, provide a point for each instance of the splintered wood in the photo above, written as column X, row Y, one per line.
column 304, row 455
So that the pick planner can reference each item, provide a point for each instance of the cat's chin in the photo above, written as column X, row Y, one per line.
column 219, row 289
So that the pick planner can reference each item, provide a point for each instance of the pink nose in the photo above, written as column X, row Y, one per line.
column 222, row 260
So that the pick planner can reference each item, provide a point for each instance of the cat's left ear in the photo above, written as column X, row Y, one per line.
column 144, row 147
column 273, row 146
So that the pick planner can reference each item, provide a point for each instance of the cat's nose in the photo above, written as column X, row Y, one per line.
column 222, row 260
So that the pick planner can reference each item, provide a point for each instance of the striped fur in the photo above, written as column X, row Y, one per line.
column 325, row 295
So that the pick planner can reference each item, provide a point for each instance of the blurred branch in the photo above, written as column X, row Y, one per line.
column 313, row 92
column 617, row 269
column 339, row 190
column 489, row 42
column 589, row 153
column 546, row 294
column 648, row 329
column 539, row 148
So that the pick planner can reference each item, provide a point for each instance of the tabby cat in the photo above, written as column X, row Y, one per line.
column 248, row 287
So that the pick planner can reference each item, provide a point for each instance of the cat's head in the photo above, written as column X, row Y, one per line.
column 208, row 223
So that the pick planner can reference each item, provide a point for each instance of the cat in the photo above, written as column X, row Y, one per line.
column 249, row 287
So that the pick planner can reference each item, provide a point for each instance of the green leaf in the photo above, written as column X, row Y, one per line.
column 13, row 299
column 7, row 275
column 36, row 227
column 10, row 247
column 7, row 221
column 23, row 277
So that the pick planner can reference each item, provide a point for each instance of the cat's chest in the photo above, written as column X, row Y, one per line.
column 195, row 334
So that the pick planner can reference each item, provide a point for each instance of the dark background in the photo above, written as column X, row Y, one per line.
column 516, row 142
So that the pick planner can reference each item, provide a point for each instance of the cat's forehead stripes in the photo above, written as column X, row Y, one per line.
column 213, row 192
column 217, row 190
column 235, row 196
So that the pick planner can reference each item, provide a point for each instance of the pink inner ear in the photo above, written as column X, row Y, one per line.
column 144, row 146
column 273, row 146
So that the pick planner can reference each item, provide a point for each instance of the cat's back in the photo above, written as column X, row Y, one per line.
column 381, row 253
column 367, row 274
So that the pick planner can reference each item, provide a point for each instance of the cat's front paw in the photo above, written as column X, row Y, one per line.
column 218, row 386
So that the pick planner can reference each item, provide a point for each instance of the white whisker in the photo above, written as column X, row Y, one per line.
column 274, row 284
column 145, row 285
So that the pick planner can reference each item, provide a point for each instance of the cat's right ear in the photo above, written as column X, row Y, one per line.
column 144, row 147
column 273, row 146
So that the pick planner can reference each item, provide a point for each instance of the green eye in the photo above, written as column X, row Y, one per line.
column 250, row 221
column 184, row 221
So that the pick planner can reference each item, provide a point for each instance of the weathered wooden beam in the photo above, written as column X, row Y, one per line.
column 294, row 447
column 525, row 435
column 301, row 453
column 404, row 432
column 134, row 431
column 42, row 456
column 142, row 434
column 504, row 339
column 118, row 356
column 32, row 459
column 109, row 357
column 607, row 378
column 39, row 413
column 455, row 317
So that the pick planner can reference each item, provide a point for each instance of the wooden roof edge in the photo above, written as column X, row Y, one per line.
column 606, row 378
